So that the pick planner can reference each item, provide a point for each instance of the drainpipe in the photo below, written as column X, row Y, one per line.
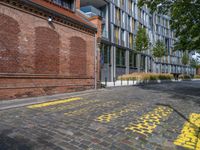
column 95, row 63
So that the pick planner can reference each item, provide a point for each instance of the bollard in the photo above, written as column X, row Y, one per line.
column 114, row 80
column 106, row 81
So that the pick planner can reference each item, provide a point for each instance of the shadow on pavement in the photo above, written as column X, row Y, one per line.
column 16, row 143
column 186, row 91
column 180, row 90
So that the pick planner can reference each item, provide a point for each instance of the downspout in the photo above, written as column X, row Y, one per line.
column 95, row 63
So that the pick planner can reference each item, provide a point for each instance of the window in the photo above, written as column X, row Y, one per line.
column 131, row 40
column 121, row 2
column 123, row 37
column 120, row 57
column 133, row 24
column 142, row 62
column 129, row 23
column 132, row 60
column 105, row 54
column 64, row 3
column 139, row 13
column 117, row 15
column 116, row 32
column 130, row 6
column 123, row 18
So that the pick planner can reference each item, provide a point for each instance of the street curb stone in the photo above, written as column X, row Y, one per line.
column 8, row 104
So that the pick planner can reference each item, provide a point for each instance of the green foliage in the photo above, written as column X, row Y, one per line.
column 197, row 76
column 142, row 41
column 185, row 16
column 159, row 49
column 185, row 59
column 194, row 63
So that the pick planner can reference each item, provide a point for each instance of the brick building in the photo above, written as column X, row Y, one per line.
column 46, row 47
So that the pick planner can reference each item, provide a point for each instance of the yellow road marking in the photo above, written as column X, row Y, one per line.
column 70, row 106
column 146, row 124
column 190, row 137
column 54, row 102
column 88, row 109
column 116, row 114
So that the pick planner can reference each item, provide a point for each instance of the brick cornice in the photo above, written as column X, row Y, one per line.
column 42, row 12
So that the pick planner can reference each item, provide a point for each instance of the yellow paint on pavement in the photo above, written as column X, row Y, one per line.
column 70, row 106
column 190, row 136
column 107, row 117
column 146, row 124
column 54, row 103
column 91, row 108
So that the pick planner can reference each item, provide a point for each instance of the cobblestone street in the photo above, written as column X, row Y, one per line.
column 146, row 117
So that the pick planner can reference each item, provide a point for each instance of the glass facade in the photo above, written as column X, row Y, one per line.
column 123, row 20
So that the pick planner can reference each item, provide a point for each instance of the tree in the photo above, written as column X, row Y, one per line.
column 159, row 50
column 185, row 58
column 142, row 40
column 194, row 63
column 185, row 16
column 142, row 44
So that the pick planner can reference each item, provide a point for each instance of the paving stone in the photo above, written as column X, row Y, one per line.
column 48, row 128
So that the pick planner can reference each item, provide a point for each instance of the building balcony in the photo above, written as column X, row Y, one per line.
column 91, row 11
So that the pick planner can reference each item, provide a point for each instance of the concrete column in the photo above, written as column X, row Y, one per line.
column 113, row 62
column 127, row 61
column 170, row 68
column 146, row 64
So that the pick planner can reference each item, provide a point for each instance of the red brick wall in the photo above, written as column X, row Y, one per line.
column 9, row 43
column 78, row 4
column 38, row 58
column 96, row 20
column 46, row 51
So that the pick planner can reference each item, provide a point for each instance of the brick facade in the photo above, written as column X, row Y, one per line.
column 41, row 58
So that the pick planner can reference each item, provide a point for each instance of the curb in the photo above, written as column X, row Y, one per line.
column 16, row 103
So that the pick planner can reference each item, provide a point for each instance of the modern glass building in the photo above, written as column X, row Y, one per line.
column 121, row 20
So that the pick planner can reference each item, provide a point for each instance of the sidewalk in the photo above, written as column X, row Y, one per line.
column 8, row 104
column 134, row 82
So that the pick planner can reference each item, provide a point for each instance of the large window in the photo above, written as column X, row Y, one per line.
column 122, row 37
column 133, row 24
column 130, row 6
column 116, row 32
column 105, row 54
column 131, row 40
column 117, row 15
column 142, row 62
column 132, row 60
column 120, row 57
column 121, row 2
